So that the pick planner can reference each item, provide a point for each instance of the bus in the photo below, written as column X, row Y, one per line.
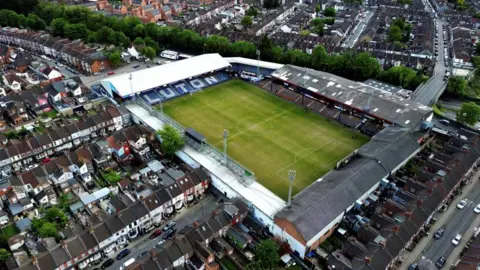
column 254, row 77
column 172, row 55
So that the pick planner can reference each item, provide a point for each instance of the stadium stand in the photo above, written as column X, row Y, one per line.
column 151, row 97
column 289, row 95
column 182, row 87
column 167, row 93
column 198, row 84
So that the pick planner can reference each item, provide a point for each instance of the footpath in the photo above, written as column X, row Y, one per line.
column 410, row 257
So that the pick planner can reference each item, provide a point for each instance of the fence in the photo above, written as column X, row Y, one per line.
column 244, row 175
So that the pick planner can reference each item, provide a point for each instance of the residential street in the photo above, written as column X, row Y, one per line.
column 358, row 29
column 430, row 92
column 186, row 217
column 454, row 221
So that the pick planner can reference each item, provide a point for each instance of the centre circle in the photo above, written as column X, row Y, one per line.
column 254, row 126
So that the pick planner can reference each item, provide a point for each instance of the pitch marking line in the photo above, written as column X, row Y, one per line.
column 310, row 152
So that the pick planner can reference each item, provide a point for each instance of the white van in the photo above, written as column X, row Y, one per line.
column 127, row 263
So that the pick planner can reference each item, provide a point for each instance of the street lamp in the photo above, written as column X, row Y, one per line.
column 291, row 177
column 225, row 136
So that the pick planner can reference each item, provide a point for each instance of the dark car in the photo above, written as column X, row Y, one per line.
column 439, row 234
column 413, row 266
column 123, row 254
column 156, row 234
column 136, row 66
column 440, row 262
column 169, row 226
column 168, row 234
column 107, row 263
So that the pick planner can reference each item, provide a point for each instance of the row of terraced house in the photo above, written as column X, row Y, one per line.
column 75, row 53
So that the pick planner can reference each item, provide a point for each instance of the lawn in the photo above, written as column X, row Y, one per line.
column 268, row 135
column 9, row 230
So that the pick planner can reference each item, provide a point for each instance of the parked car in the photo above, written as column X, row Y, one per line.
column 440, row 262
column 456, row 240
column 169, row 226
column 124, row 253
column 96, row 73
column 444, row 121
column 477, row 209
column 156, row 234
column 111, row 73
column 413, row 266
column 107, row 263
column 439, row 233
column 462, row 204
column 168, row 234
column 136, row 66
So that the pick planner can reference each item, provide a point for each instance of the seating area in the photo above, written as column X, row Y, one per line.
column 181, row 88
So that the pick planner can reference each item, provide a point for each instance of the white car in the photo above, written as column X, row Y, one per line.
column 477, row 209
column 462, row 204
column 456, row 240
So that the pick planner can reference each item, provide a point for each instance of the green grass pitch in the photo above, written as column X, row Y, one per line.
column 268, row 135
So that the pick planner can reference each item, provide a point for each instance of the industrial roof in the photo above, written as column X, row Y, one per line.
column 316, row 206
column 252, row 62
column 362, row 97
column 132, row 83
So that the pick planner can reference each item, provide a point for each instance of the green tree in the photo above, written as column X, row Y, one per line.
column 457, row 86
column 469, row 113
column 115, row 59
column 57, row 25
column 329, row 12
column 75, row 31
column 22, row 21
column 266, row 48
column 477, row 48
column 317, row 26
column 243, row 49
column 475, row 61
column 304, row 33
column 122, row 39
column 266, row 255
column 106, row 35
column 112, row 176
column 92, row 37
column 252, row 11
column 48, row 229
column 138, row 41
column 149, row 42
column 55, row 215
column 318, row 8
column 34, row 22
column 139, row 30
column 171, row 140
column 247, row 21
column 395, row 33
column 4, row 255
column 319, row 58
column 218, row 44
column 148, row 52
column 366, row 67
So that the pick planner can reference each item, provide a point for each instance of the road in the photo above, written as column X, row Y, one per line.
column 458, row 223
column 428, row 94
column 186, row 217
column 357, row 31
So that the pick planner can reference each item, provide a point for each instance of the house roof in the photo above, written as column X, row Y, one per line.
column 76, row 247
column 115, row 224
column 102, row 232
column 163, row 196
column 89, row 240
column 127, row 216
column 29, row 178
column 316, row 206
column 174, row 190
column 23, row 224
column 139, row 209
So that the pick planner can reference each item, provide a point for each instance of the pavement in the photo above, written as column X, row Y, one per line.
column 454, row 221
column 430, row 92
column 186, row 217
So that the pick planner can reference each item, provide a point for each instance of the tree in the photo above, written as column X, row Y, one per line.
column 317, row 26
column 34, row 22
column 138, row 41
column 252, row 11
column 4, row 255
column 48, row 229
column 149, row 42
column 139, row 30
column 469, row 113
column 457, row 86
column 266, row 48
column 304, row 33
column 247, row 21
column 171, row 140
column 243, row 49
column 477, row 48
column 107, row 35
column 55, row 215
column 318, row 8
column 218, row 44
column 115, row 59
column 112, row 176
column 270, row 4
column 75, row 31
column 329, row 12
column 319, row 57
column 266, row 255
column 122, row 39
column 57, row 25
column 395, row 33
column 148, row 52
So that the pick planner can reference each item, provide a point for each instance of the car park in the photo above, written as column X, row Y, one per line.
column 438, row 234
column 107, row 263
column 440, row 262
column 456, row 240
column 477, row 209
column 461, row 204
column 124, row 253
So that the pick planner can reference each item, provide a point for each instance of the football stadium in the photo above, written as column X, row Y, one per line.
column 267, row 134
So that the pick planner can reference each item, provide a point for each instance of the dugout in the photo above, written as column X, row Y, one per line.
column 195, row 136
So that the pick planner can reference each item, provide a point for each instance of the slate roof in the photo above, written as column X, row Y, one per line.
column 127, row 216
column 316, row 206
column 89, row 240
column 162, row 196
column 102, row 232
column 115, row 224
column 139, row 210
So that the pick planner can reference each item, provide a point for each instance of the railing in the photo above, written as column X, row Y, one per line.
column 245, row 176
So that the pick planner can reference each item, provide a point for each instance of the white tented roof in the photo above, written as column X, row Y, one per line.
column 252, row 62
column 162, row 75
